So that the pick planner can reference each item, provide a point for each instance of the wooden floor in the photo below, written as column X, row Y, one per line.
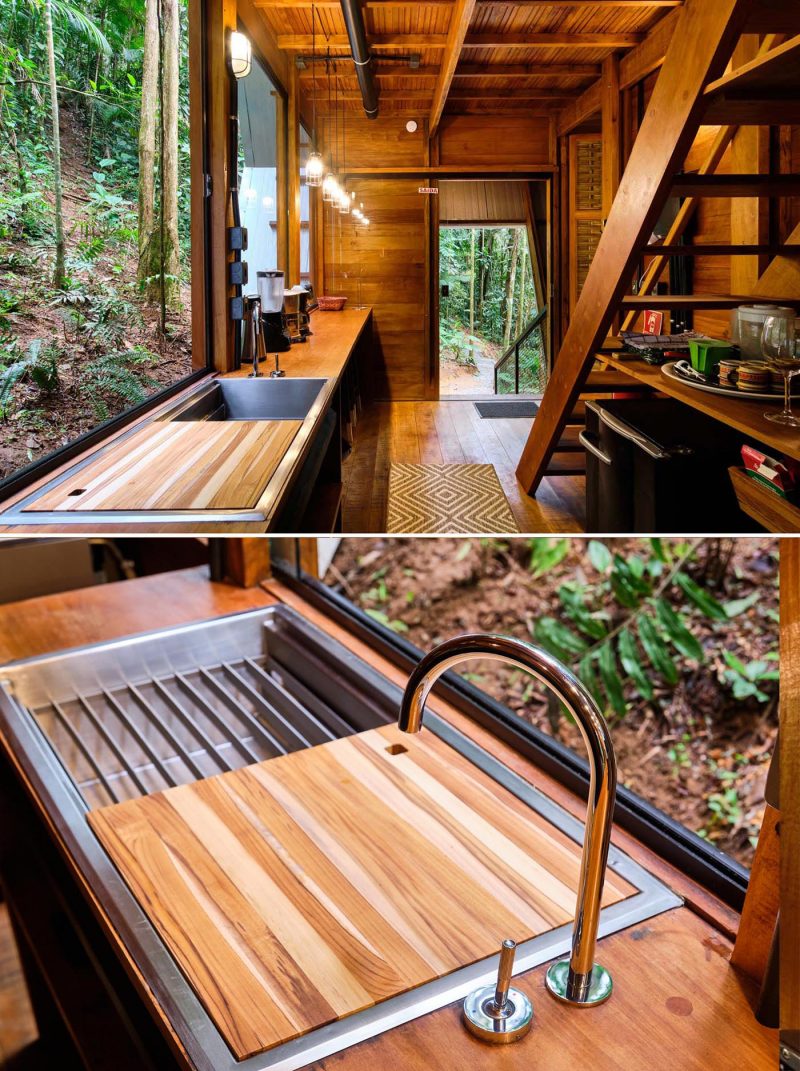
column 449, row 432
column 17, row 1025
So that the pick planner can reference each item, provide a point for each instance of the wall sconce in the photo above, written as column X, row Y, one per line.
column 241, row 55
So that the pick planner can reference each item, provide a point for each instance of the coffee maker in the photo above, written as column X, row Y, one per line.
column 270, row 291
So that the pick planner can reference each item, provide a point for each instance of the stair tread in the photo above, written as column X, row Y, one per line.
column 730, row 185
column 699, row 301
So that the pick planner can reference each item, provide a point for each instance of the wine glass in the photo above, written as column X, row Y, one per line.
column 780, row 347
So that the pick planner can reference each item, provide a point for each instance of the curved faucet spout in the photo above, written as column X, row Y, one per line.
column 581, row 982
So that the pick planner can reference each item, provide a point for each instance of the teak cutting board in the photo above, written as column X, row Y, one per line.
column 299, row 890
column 207, row 464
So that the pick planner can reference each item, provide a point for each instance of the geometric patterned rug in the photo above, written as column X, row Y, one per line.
column 447, row 498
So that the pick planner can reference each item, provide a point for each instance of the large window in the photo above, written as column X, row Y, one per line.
column 95, row 300
column 678, row 639
column 260, row 160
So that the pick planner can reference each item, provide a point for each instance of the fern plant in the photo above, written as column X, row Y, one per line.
column 40, row 364
column 637, row 643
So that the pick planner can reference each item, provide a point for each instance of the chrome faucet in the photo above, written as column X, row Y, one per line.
column 578, row 980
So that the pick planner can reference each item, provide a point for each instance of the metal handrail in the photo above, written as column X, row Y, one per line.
column 513, row 349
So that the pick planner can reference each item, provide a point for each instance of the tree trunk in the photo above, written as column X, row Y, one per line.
column 147, row 143
column 471, row 290
column 510, row 279
column 521, row 302
column 481, row 276
column 58, row 270
column 169, row 153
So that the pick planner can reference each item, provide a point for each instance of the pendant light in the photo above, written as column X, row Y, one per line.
column 315, row 165
column 344, row 196
column 329, row 184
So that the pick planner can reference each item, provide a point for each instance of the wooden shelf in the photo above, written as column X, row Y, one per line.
column 765, row 506
column 773, row 73
column 747, row 416
column 703, row 249
column 736, row 185
column 699, row 301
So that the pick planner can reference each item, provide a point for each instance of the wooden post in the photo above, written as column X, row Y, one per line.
column 220, row 21
column 790, row 791
column 749, row 215
column 246, row 562
column 612, row 131
column 293, row 176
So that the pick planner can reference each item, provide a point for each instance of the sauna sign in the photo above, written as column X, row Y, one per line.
column 428, row 189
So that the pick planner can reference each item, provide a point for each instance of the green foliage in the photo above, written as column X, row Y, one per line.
column 39, row 364
column 636, row 644
column 546, row 554
column 745, row 677
column 118, row 375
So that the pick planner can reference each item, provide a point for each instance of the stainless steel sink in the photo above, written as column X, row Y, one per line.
column 254, row 399
column 130, row 717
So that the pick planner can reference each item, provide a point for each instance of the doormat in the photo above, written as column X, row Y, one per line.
column 447, row 498
column 507, row 409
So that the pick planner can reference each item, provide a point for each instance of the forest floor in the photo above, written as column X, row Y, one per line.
column 456, row 378
column 695, row 751
column 108, row 349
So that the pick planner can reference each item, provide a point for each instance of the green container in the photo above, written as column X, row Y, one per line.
column 706, row 353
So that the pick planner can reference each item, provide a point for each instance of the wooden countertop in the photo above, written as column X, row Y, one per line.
column 746, row 416
column 324, row 355
column 677, row 1003
column 325, row 352
column 349, row 873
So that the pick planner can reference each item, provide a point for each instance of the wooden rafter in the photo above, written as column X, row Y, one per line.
column 456, row 35
column 301, row 42
column 495, row 71
column 386, row 5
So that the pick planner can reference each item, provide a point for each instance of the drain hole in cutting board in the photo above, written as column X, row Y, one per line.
column 77, row 491
column 396, row 749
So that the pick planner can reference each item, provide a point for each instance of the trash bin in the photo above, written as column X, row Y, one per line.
column 656, row 465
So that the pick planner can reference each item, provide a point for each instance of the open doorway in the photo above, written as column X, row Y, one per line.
column 491, row 331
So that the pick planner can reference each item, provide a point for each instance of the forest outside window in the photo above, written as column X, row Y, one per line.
column 95, row 281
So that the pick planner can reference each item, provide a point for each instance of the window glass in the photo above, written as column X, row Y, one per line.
column 305, row 209
column 259, row 178
column 679, row 640
column 95, row 302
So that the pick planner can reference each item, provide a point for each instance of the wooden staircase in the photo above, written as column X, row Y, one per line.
column 691, row 90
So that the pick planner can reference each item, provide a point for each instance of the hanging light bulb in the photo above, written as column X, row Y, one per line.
column 330, row 188
column 344, row 203
column 315, row 165
column 357, row 213
column 315, row 169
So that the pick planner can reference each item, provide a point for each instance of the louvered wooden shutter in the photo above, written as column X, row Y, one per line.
column 586, row 207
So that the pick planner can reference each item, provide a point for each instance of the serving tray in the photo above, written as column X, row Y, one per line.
column 675, row 370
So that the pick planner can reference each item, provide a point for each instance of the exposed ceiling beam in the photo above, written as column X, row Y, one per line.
column 499, row 71
column 385, row 5
column 527, row 70
column 454, row 94
column 497, row 39
column 456, row 34
column 635, row 65
column 301, row 42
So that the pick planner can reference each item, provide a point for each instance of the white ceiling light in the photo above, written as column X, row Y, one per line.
column 411, row 126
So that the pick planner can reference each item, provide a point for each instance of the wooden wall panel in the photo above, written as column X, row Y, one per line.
column 495, row 139
column 385, row 264
column 482, row 201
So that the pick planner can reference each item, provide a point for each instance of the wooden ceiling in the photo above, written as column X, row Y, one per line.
column 472, row 55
